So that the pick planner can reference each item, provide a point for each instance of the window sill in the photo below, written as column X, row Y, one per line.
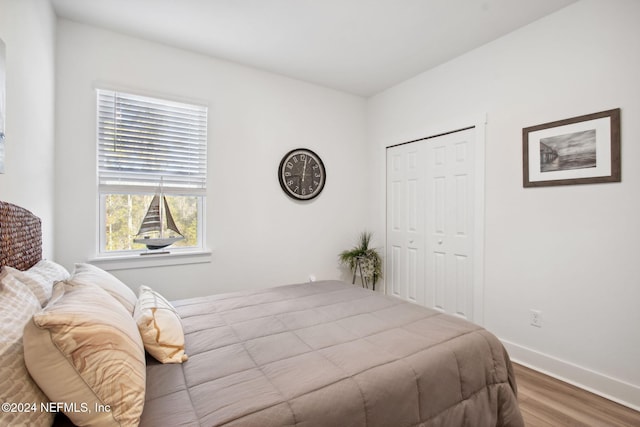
column 138, row 260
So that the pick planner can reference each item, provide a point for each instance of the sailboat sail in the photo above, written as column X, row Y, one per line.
column 171, row 224
column 151, row 221
column 154, row 230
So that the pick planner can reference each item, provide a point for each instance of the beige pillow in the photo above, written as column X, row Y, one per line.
column 40, row 278
column 87, row 274
column 16, row 386
column 160, row 327
column 84, row 349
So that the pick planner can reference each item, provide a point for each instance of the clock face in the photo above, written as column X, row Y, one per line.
column 301, row 174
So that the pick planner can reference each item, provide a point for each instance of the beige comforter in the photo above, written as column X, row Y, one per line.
column 329, row 354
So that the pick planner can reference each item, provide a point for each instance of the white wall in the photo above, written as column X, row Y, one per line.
column 569, row 251
column 259, row 236
column 27, row 28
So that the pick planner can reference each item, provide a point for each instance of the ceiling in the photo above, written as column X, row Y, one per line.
column 357, row 46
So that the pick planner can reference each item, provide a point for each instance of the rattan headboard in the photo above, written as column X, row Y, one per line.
column 20, row 237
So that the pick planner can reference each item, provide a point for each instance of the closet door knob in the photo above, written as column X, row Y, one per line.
column 439, row 241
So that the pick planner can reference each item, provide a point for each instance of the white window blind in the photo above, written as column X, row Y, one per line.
column 144, row 141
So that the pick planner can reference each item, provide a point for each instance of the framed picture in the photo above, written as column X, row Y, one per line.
column 580, row 150
column 2, row 104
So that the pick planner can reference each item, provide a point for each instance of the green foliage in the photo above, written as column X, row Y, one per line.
column 371, row 262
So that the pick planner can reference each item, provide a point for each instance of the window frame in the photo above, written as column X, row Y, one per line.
column 120, row 259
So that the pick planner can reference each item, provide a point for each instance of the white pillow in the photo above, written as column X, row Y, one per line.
column 84, row 348
column 40, row 278
column 18, row 306
column 87, row 274
column 160, row 327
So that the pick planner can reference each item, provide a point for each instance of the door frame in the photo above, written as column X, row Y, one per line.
column 479, row 122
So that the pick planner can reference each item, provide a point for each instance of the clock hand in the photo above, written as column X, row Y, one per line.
column 304, row 170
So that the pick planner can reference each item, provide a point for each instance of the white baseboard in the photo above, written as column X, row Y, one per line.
column 610, row 388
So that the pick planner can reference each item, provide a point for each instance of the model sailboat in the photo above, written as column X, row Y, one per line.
column 158, row 229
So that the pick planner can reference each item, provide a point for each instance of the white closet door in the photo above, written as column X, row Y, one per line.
column 450, row 223
column 430, row 222
column 405, row 222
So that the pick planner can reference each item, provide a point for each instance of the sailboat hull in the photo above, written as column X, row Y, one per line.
column 158, row 243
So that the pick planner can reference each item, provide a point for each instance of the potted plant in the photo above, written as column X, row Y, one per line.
column 370, row 265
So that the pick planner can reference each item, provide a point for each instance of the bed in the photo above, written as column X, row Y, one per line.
column 325, row 353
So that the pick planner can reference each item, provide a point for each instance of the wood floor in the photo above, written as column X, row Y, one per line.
column 548, row 402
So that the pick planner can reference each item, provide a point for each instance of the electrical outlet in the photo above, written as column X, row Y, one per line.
column 535, row 318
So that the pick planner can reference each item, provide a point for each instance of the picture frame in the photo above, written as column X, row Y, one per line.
column 3, row 107
column 579, row 150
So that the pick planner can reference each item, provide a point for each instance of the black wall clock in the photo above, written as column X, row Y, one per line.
column 302, row 174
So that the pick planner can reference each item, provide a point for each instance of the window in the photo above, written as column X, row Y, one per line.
column 152, row 173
